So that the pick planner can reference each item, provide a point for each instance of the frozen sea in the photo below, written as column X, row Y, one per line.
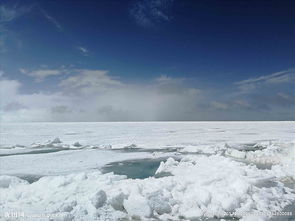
column 147, row 171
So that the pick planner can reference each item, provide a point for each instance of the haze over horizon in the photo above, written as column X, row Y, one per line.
column 140, row 60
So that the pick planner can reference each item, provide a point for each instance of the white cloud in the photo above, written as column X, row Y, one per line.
column 8, row 90
column 41, row 74
column 96, row 95
column 148, row 13
column 152, row 100
column 164, row 79
column 286, row 76
column 89, row 81
column 84, row 51
column 170, row 85
column 219, row 105
column 18, row 106
column 285, row 96
column 52, row 20
column 7, row 15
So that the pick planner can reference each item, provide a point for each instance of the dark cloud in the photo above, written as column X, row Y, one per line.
column 13, row 106
column 279, row 100
column 60, row 109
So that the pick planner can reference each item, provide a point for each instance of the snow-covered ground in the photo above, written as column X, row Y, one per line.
column 215, row 169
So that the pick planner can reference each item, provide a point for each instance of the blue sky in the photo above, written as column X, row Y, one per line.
column 147, row 60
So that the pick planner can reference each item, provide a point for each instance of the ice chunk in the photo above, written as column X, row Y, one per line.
column 99, row 199
column 11, row 181
column 131, row 146
column 56, row 143
column 77, row 144
column 68, row 206
column 170, row 162
column 56, row 140
column 137, row 206
column 192, row 213
column 235, row 153
column 117, row 201
column 159, row 203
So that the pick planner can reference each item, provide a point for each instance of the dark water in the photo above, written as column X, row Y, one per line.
column 39, row 151
column 137, row 149
column 123, row 150
column 136, row 169
column 30, row 178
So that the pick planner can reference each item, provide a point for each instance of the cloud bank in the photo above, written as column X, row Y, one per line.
column 96, row 95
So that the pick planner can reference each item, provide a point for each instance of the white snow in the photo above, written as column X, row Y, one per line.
column 10, row 181
column 190, row 193
column 99, row 199
column 146, row 134
column 137, row 206
column 215, row 176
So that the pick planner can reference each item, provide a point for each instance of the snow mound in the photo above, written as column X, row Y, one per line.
column 223, row 187
column 275, row 153
column 55, row 143
column 204, row 149
column 11, row 181
column 99, row 199
column 137, row 206
column 200, row 186
column 280, row 156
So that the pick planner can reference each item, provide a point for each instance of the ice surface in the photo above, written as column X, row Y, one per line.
column 216, row 174
column 147, row 134
column 64, row 161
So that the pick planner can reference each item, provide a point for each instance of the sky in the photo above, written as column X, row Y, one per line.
column 147, row 60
